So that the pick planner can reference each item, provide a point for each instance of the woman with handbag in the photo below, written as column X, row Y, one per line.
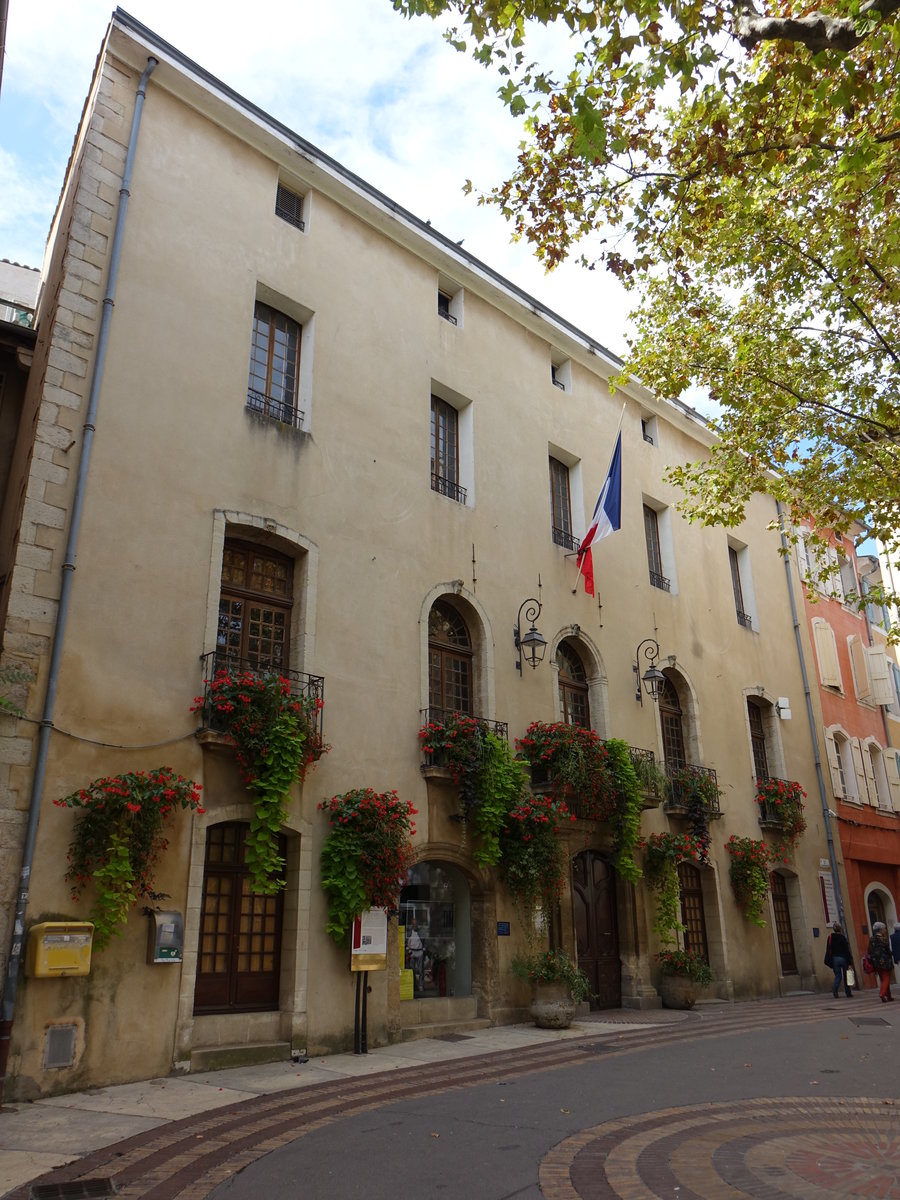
column 879, row 952
column 838, row 957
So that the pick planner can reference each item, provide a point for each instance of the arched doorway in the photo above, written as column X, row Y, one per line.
column 436, row 916
column 876, row 909
column 596, row 929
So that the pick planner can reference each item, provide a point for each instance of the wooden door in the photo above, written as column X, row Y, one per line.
column 596, row 933
column 239, row 960
column 783, row 924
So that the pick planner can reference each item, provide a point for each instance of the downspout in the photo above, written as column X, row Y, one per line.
column 68, row 571
column 810, row 716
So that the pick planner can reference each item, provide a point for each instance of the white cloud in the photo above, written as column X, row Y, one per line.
column 386, row 97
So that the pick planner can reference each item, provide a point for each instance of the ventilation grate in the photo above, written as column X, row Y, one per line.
column 59, row 1048
column 77, row 1189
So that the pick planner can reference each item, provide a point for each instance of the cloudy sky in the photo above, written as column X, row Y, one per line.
column 386, row 97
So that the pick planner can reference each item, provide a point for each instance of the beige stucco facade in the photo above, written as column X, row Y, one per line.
column 179, row 465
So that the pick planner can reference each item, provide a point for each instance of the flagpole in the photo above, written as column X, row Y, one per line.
column 608, row 465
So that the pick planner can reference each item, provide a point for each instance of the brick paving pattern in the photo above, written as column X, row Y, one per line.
column 635, row 1159
column 769, row 1149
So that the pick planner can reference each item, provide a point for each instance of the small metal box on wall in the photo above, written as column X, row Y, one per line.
column 165, row 942
column 59, row 948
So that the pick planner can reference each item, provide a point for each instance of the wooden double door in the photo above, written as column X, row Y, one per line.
column 596, row 929
column 239, row 958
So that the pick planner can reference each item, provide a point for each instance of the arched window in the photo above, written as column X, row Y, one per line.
column 573, row 688
column 254, row 607
column 449, row 661
column 672, row 721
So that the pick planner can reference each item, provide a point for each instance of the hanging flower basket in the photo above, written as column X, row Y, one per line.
column 749, row 875
column 275, row 734
column 120, row 823
column 781, row 807
column 365, row 856
column 596, row 780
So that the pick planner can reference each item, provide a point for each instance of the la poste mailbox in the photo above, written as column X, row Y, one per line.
column 58, row 948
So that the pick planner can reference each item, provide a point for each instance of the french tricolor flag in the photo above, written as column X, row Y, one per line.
column 607, row 516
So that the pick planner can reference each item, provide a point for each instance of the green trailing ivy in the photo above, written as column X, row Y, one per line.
column 276, row 739
column 532, row 855
column 596, row 780
column 366, row 854
column 625, row 817
column 118, row 839
column 490, row 780
column 749, row 875
column 501, row 785
column 662, row 854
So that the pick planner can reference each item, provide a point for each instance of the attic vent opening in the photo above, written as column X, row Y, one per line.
column 59, row 1048
column 289, row 206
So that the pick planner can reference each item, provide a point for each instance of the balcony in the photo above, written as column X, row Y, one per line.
column 437, row 764
column 768, row 816
column 308, row 689
column 644, row 763
column 780, row 805
column 562, row 537
column 448, row 487
column 690, row 788
column 660, row 581
column 277, row 410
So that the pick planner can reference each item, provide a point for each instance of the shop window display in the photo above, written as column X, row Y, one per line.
column 435, row 917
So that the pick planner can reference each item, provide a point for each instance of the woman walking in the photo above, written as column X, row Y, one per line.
column 879, row 952
column 839, row 959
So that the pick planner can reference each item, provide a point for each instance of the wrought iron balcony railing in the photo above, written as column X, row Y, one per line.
column 660, row 581
column 447, row 487
column 562, row 537
column 446, row 716
column 689, row 783
column 744, row 620
column 300, row 684
column 279, row 410
column 644, row 762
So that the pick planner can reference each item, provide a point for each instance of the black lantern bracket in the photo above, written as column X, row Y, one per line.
column 652, row 678
column 531, row 645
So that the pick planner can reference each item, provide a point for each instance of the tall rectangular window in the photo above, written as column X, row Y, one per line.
column 654, row 553
column 274, row 365
column 740, row 608
column 758, row 740
column 561, row 506
column 445, row 450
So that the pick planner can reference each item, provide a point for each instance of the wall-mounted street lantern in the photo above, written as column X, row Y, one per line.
column 531, row 645
column 653, row 678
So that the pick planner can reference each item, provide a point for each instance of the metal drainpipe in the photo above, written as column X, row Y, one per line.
column 810, row 716
column 68, row 570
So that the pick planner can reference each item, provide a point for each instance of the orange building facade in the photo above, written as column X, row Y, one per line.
column 858, row 694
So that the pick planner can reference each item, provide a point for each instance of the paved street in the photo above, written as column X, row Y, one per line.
column 788, row 1098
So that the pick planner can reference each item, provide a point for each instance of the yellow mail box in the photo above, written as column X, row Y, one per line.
column 57, row 948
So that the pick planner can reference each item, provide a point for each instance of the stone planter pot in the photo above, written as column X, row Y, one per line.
column 677, row 991
column 552, row 1006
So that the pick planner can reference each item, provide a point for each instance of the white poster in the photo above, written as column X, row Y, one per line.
column 368, row 945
